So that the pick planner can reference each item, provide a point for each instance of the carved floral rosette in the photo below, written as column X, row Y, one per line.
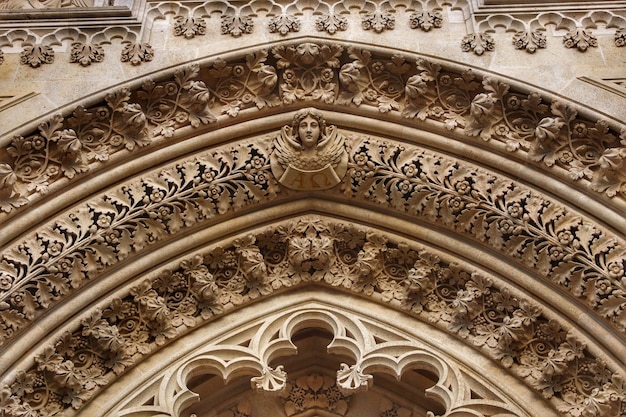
column 511, row 330
column 551, row 134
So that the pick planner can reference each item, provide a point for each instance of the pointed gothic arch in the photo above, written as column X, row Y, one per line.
column 437, row 195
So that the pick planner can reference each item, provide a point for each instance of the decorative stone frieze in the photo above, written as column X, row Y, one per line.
column 137, row 52
column 478, row 42
column 284, row 23
column 189, row 27
column 36, row 55
column 499, row 214
column 374, row 15
column 580, row 38
column 426, row 20
column 86, row 53
column 547, row 356
column 552, row 134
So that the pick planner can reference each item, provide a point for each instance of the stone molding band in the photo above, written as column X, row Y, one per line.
column 194, row 19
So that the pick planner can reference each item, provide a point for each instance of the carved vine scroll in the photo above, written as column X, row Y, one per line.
column 551, row 134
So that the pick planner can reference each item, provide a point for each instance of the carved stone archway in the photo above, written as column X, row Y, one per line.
column 470, row 205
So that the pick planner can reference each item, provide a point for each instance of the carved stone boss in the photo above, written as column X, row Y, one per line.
column 308, row 155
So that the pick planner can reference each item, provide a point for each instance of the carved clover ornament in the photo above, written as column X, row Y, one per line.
column 426, row 20
column 580, row 38
column 529, row 40
column 137, row 52
column 378, row 21
column 478, row 42
column 236, row 25
column 284, row 24
column 189, row 27
column 308, row 155
column 331, row 23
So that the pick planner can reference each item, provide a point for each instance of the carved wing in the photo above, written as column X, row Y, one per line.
column 285, row 148
column 332, row 149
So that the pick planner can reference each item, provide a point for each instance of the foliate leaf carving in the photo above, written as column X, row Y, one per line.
column 271, row 381
column 131, row 218
column 367, row 80
column 137, row 52
column 351, row 379
column 378, row 21
column 86, row 53
column 236, row 25
column 478, row 42
column 527, row 227
column 580, row 38
column 426, row 20
column 313, row 391
column 308, row 71
column 66, row 147
column 36, row 55
column 514, row 331
column 530, row 41
column 587, row 150
column 620, row 38
column 189, row 27
column 9, row 197
column 244, row 84
column 284, row 24
column 331, row 23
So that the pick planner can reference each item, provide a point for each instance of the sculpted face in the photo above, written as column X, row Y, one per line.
column 309, row 132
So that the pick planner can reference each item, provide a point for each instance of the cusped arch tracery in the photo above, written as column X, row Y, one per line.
column 448, row 389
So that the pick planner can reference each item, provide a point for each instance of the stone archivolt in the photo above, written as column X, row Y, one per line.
column 531, row 229
column 505, row 216
column 547, row 356
column 411, row 90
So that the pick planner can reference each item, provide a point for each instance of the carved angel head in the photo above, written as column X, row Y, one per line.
column 308, row 126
